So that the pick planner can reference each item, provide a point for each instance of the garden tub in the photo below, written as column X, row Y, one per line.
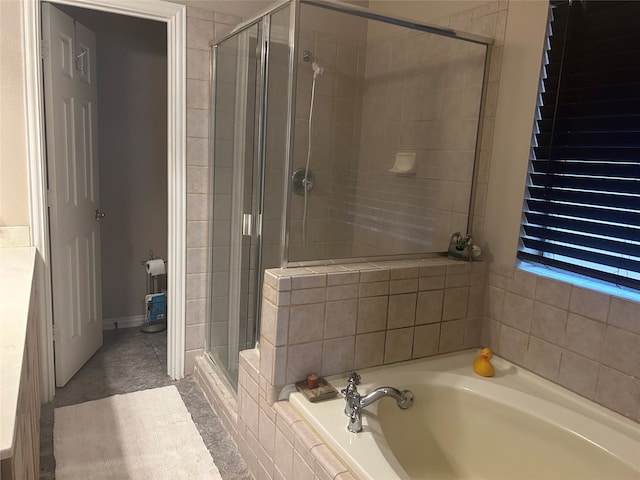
column 515, row 425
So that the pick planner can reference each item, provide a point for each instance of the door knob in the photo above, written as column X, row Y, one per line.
column 99, row 215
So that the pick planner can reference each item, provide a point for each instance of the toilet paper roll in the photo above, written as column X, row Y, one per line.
column 155, row 267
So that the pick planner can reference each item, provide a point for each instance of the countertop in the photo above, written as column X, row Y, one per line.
column 16, row 277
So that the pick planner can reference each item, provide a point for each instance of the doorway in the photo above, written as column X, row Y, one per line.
column 173, row 16
column 129, row 69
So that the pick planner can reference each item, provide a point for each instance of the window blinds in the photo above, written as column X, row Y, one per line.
column 582, row 211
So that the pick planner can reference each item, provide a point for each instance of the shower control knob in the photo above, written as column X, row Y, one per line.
column 99, row 215
column 301, row 182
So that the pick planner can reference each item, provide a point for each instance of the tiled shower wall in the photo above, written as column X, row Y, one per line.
column 202, row 27
column 422, row 94
column 584, row 340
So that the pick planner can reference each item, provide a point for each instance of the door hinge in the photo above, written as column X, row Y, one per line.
column 54, row 333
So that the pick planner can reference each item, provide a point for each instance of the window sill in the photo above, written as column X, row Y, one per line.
column 579, row 280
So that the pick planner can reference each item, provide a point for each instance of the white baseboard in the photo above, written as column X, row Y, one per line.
column 123, row 322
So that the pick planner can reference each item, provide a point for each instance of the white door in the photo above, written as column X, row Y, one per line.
column 71, row 99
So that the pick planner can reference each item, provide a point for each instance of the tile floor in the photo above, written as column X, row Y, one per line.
column 127, row 362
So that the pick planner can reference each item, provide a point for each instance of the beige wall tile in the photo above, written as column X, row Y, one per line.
column 340, row 318
column 475, row 307
column 306, row 323
column 403, row 286
column 517, row 311
column 584, row 336
column 462, row 280
column 624, row 314
column 326, row 460
column 266, row 432
column 404, row 272
column 301, row 470
column 369, row 350
column 402, row 310
column 523, row 283
column 490, row 334
column 553, row 292
column 303, row 360
column 548, row 323
column 338, row 355
column 543, row 358
column 431, row 282
column 455, row 303
column 495, row 303
column 426, row 339
column 342, row 278
column 579, row 374
column 342, row 292
column 283, row 457
column 473, row 332
column 308, row 295
column 372, row 314
column 618, row 392
column 197, row 234
column 622, row 351
column 589, row 303
column 195, row 311
column 308, row 281
column 199, row 33
column 373, row 289
column 451, row 336
column 513, row 344
column 398, row 345
column 198, row 64
column 376, row 275
column 195, row 335
column 429, row 307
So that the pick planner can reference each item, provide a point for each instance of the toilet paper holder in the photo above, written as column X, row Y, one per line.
column 152, row 280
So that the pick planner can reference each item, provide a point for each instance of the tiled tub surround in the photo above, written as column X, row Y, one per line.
column 584, row 340
column 272, row 438
column 333, row 319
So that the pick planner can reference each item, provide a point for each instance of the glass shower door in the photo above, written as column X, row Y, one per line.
column 232, row 308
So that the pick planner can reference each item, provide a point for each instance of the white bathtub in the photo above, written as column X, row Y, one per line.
column 512, row 426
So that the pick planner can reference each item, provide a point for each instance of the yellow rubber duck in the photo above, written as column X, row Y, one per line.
column 482, row 365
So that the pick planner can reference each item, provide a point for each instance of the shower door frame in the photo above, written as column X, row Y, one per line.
column 263, row 23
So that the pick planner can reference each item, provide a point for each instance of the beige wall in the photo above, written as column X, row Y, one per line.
column 14, row 196
column 519, row 82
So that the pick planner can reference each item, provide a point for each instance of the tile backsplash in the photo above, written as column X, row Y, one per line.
column 584, row 340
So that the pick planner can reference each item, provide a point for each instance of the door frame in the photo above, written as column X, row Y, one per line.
column 174, row 16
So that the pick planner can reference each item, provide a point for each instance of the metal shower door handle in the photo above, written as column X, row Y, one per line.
column 99, row 215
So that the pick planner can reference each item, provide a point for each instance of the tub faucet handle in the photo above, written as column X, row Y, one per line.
column 355, row 415
column 349, row 391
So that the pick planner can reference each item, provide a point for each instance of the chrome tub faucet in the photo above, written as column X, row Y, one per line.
column 355, row 402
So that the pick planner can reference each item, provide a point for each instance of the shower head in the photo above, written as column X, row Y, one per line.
column 308, row 58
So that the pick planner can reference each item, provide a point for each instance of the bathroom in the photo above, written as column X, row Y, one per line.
column 511, row 317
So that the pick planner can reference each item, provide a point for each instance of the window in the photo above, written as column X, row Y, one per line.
column 582, row 208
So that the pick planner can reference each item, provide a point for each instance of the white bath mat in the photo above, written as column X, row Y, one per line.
column 141, row 435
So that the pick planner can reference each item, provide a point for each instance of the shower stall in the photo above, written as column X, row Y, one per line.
column 337, row 135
